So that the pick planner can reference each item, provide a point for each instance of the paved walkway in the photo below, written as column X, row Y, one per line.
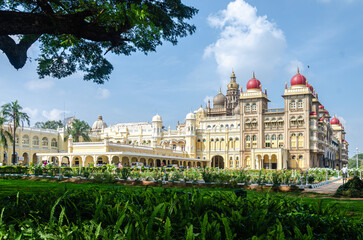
column 329, row 188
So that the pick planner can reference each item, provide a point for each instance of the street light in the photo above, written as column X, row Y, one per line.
column 357, row 151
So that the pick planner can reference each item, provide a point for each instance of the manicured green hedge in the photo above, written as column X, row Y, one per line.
column 13, row 169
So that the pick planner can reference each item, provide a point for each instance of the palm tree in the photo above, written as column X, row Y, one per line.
column 4, row 134
column 77, row 130
column 12, row 113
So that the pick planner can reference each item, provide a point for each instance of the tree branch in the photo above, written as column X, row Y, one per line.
column 17, row 53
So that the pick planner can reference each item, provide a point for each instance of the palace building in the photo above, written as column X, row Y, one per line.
column 237, row 131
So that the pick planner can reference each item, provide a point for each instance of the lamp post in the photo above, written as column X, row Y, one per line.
column 357, row 151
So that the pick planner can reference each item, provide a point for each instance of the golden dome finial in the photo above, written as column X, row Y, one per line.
column 298, row 70
column 253, row 76
column 233, row 76
column 220, row 90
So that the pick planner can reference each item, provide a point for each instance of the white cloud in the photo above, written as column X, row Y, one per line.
column 342, row 120
column 103, row 93
column 247, row 42
column 54, row 114
column 208, row 98
column 33, row 113
column 291, row 69
column 39, row 84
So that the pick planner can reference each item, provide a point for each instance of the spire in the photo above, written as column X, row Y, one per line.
column 265, row 91
column 285, row 85
column 253, row 76
column 241, row 89
column 233, row 76
column 298, row 70
column 220, row 90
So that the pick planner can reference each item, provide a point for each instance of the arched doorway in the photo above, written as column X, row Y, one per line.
column 115, row 160
column 125, row 161
column 5, row 158
column 274, row 161
column 35, row 159
column 26, row 159
column 218, row 162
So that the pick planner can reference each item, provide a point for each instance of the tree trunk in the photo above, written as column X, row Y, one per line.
column 13, row 157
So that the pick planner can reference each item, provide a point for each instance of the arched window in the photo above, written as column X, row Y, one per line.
column 248, row 123
column 300, row 162
column 199, row 144
column 231, row 162
column 44, row 142
column 227, row 126
column 222, row 126
column 300, row 121
column 301, row 140
column 274, row 122
column 25, row 140
column 232, row 125
column 248, row 141
column 300, row 104
column 254, row 107
column 280, row 141
column 254, row 141
column 267, row 141
column 280, row 122
column 293, row 140
column 273, row 141
column 293, row 104
column 209, row 127
column 254, row 123
column 293, row 163
column 293, row 122
column 267, row 122
column 35, row 141
column 237, row 162
column 54, row 143
column 248, row 107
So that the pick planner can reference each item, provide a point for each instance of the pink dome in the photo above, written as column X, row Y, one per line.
column 253, row 83
column 334, row 121
column 298, row 79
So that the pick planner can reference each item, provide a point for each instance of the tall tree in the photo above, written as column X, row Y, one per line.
column 77, row 130
column 49, row 124
column 75, row 35
column 12, row 112
column 4, row 134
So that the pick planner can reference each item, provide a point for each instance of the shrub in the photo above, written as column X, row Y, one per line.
column 125, row 172
column 353, row 188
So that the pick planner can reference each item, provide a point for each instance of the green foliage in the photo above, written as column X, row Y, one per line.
column 77, row 130
column 353, row 188
column 13, row 169
column 49, row 124
column 12, row 112
column 352, row 162
column 125, row 172
column 75, row 35
column 5, row 135
column 130, row 213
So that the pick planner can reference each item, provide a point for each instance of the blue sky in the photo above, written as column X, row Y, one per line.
column 271, row 38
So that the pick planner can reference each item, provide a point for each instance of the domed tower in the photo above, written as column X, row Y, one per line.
column 190, row 134
column 232, row 94
column 157, row 125
column 219, row 100
column 99, row 125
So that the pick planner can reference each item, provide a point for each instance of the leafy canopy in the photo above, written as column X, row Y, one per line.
column 75, row 35
column 77, row 130
column 49, row 124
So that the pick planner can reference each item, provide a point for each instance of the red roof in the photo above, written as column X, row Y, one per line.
column 253, row 83
column 298, row 79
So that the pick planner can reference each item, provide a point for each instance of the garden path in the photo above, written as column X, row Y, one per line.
column 329, row 188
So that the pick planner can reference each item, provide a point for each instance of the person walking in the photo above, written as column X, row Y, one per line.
column 345, row 172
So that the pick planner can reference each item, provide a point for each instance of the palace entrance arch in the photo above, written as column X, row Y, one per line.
column 218, row 161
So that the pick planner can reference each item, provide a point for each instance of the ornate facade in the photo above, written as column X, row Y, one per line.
column 238, row 131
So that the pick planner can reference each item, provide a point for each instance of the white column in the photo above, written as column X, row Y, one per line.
column 83, row 160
